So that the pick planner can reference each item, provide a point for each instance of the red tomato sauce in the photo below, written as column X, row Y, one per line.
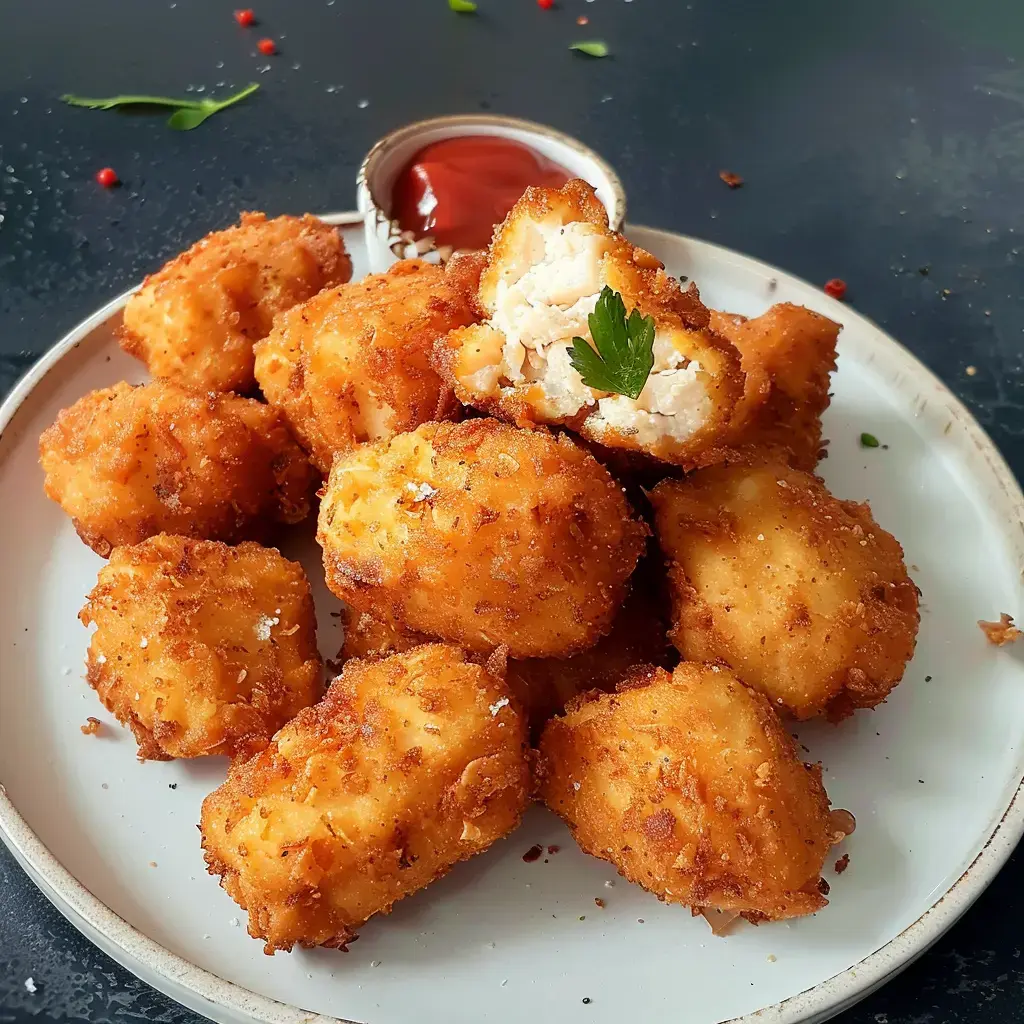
column 456, row 190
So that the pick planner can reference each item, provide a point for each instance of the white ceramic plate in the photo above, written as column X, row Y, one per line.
column 931, row 775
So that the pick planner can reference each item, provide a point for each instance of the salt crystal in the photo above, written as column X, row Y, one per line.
column 30, row 985
column 498, row 705
column 233, row 922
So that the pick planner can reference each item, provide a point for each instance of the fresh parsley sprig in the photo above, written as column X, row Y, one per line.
column 625, row 348
column 188, row 113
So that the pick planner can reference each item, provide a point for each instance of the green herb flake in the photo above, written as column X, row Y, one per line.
column 868, row 441
column 592, row 48
column 624, row 355
column 188, row 113
column 462, row 6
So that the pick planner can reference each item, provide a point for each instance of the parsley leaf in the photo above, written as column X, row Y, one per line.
column 625, row 348
column 461, row 6
column 187, row 114
column 592, row 48
column 868, row 441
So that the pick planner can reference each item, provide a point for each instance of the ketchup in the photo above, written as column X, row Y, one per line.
column 456, row 190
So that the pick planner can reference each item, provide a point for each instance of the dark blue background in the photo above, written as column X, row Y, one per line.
column 881, row 142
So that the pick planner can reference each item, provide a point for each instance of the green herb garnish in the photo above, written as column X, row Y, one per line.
column 625, row 348
column 594, row 48
column 461, row 6
column 868, row 441
column 188, row 114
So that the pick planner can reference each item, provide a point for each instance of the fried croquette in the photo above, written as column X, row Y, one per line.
column 408, row 766
column 197, row 318
column 370, row 637
column 546, row 268
column 481, row 534
column 688, row 783
column 788, row 355
column 201, row 648
column 804, row 596
column 352, row 364
column 127, row 462
column 543, row 686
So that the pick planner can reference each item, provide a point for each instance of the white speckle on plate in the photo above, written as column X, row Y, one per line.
column 363, row 104
column 375, row 963
column 233, row 922
column 30, row 985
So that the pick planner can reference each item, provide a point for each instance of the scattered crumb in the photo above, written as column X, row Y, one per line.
column 172, row 785
column 1002, row 632
column 639, row 920
column 30, row 986
column 609, row 884
column 971, row 371
column 731, row 179
column 504, row 982
column 91, row 727
column 103, row 785
column 599, row 902
column 771, row 958
column 554, row 848
column 532, row 854
column 497, row 706
column 842, row 864
column 375, row 963
column 233, row 922
column 152, row 863
column 927, row 679
column 586, row 999
column 582, row 20
column 583, row 917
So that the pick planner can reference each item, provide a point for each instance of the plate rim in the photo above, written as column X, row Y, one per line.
column 202, row 990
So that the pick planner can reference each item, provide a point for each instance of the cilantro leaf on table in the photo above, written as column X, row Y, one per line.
column 624, row 355
column 188, row 113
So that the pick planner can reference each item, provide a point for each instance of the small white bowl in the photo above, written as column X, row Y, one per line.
column 392, row 153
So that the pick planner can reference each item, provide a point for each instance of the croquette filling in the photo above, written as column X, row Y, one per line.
column 542, row 303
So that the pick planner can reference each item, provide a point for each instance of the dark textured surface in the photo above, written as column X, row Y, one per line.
column 881, row 142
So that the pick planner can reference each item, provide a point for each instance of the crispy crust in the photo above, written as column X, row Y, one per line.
column 483, row 535
column 127, row 462
column 641, row 280
column 804, row 596
column 639, row 636
column 352, row 364
column 688, row 783
column 408, row 766
column 201, row 648
column 543, row 686
column 195, row 320
column 788, row 355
